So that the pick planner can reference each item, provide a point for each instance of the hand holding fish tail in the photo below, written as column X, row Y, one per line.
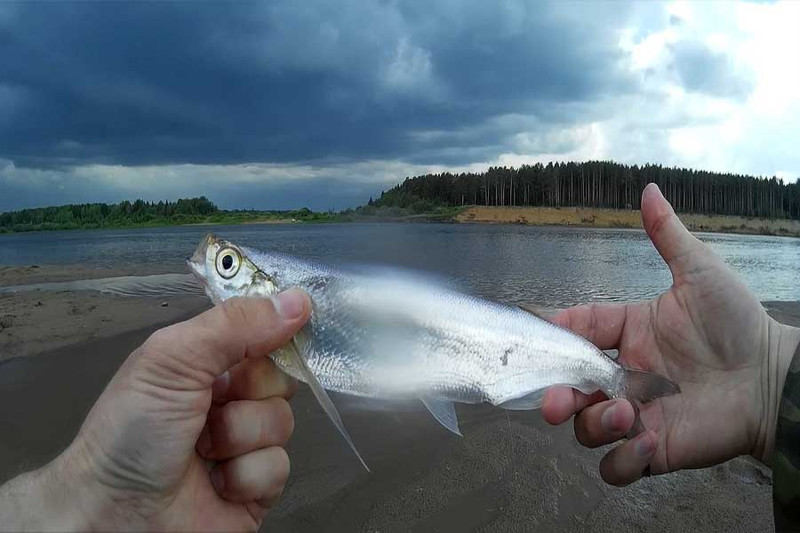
column 709, row 334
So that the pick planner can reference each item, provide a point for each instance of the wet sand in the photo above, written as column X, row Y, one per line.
column 510, row 472
column 43, row 320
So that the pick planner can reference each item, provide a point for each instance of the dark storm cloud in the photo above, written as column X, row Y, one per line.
column 161, row 83
column 705, row 71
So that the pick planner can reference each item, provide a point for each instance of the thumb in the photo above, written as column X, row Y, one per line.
column 209, row 344
column 670, row 237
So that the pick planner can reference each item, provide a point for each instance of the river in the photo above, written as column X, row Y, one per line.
column 547, row 266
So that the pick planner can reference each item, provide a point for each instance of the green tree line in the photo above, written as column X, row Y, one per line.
column 597, row 184
column 97, row 215
column 141, row 213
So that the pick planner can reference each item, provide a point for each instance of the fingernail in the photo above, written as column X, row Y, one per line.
column 609, row 419
column 218, row 480
column 644, row 446
column 204, row 441
column 290, row 304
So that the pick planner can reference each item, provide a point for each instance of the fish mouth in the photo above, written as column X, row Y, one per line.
column 196, row 268
column 197, row 261
column 198, row 258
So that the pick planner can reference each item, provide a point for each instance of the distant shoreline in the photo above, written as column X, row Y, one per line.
column 622, row 218
column 586, row 217
column 214, row 220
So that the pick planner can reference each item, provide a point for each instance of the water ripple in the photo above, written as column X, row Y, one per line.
column 147, row 286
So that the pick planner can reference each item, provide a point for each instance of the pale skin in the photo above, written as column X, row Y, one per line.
column 189, row 433
column 709, row 334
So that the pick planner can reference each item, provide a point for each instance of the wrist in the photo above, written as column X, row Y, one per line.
column 62, row 495
column 41, row 500
column 782, row 343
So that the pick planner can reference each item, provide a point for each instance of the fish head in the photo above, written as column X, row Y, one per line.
column 226, row 271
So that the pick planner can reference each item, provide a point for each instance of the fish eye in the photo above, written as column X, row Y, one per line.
column 228, row 262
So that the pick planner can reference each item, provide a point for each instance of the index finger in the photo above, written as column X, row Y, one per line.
column 561, row 403
column 600, row 324
column 255, row 378
column 222, row 337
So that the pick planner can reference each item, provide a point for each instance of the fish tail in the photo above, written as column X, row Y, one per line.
column 639, row 387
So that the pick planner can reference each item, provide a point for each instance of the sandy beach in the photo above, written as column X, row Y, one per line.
column 40, row 321
column 591, row 217
column 510, row 472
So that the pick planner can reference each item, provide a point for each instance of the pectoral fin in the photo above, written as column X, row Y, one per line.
column 444, row 412
column 293, row 352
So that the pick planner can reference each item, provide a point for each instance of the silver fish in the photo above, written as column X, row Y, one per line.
column 383, row 334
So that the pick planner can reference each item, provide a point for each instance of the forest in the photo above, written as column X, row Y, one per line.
column 100, row 215
column 603, row 184
column 141, row 213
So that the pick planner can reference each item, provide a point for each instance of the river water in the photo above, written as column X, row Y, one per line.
column 546, row 266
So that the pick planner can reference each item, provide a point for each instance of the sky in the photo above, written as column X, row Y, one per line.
column 285, row 104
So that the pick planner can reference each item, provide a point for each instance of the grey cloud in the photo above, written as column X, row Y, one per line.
column 326, row 193
column 224, row 83
column 331, row 187
column 705, row 71
column 444, row 83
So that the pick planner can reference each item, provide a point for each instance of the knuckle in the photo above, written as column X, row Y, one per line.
column 266, row 504
column 618, row 468
column 284, row 419
column 608, row 471
column 581, row 436
column 585, row 431
column 225, row 418
column 281, row 469
column 285, row 386
column 267, row 376
column 277, row 424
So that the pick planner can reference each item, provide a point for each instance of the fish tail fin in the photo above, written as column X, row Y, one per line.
column 638, row 387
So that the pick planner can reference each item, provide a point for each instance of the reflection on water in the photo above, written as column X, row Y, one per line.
column 547, row 266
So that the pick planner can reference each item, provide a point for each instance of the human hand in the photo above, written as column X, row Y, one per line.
column 189, row 433
column 709, row 334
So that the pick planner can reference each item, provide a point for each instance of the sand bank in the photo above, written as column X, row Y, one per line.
column 617, row 218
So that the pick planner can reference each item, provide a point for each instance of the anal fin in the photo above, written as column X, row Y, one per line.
column 444, row 412
column 293, row 352
column 525, row 403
